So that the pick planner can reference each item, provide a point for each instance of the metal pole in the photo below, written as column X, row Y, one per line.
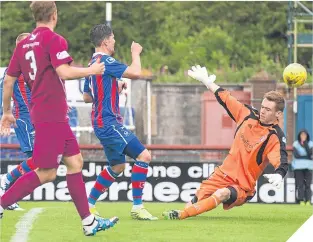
column 148, row 112
column 295, row 101
column 295, row 41
column 305, row 8
column 290, row 40
column 295, row 59
column 304, row 20
column 289, row 32
column 108, row 15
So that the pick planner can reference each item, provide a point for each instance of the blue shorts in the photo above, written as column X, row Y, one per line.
column 118, row 141
column 25, row 134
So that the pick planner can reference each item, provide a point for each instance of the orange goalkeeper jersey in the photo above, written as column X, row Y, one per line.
column 255, row 144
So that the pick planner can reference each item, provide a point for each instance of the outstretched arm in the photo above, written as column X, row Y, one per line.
column 61, row 61
column 68, row 72
column 235, row 109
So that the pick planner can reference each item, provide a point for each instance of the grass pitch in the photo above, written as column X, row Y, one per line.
column 251, row 222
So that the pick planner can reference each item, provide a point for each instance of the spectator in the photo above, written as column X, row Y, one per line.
column 302, row 165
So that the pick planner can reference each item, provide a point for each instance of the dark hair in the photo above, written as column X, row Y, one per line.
column 276, row 97
column 43, row 10
column 307, row 135
column 98, row 33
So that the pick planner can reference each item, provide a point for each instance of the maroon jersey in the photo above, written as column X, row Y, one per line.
column 37, row 57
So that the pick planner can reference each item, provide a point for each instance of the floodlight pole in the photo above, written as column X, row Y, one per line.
column 296, row 41
column 290, row 31
column 290, row 44
column 108, row 15
column 149, row 129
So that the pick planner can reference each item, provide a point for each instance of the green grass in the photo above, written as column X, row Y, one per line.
column 251, row 222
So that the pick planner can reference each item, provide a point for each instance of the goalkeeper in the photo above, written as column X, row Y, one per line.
column 258, row 141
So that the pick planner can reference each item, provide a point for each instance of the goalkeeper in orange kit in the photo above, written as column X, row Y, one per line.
column 258, row 141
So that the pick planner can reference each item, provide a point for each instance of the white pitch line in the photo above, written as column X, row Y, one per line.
column 304, row 233
column 24, row 225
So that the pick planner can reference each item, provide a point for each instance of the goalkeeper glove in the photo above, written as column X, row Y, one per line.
column 275, row 179
column 201, row 74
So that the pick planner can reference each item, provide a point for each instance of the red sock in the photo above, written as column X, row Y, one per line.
column 24, row 186
column 77, row 190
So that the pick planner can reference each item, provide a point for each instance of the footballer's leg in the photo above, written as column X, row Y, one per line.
column 76, row 186
column 45, row 157
column 142, row 157
column 238, row 197
column 25, row 135
column 8, row 179
column 211, row 193
column 24, row 186
column 74, row 162
column 107, row 176
column 192, row 201
column 200, row 207
column 111, row 145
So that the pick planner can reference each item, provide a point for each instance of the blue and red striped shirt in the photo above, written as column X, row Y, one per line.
column 104, row 91
column 21, row 97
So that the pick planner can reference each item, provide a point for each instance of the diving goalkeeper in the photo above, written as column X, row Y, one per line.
column 258, row 141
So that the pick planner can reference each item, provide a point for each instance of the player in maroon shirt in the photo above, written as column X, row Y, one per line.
column 43, row 59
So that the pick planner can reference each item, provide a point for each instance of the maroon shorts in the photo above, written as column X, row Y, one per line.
column 52, row 141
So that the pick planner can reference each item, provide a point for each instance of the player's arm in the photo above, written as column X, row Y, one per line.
column 278, row 157
column 87, row 96
column 134, row 70
column 7, row 118
column 61, row 61
column 68, row 72
column 8, row 84
column 12, row 73
column 1, row 90
column 235, row 109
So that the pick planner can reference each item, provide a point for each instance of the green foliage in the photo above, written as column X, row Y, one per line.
column 233, row 39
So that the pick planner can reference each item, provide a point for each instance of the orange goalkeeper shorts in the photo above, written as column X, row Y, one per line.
column 219, row 180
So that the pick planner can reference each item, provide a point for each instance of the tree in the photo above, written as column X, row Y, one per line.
column 228, row 37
